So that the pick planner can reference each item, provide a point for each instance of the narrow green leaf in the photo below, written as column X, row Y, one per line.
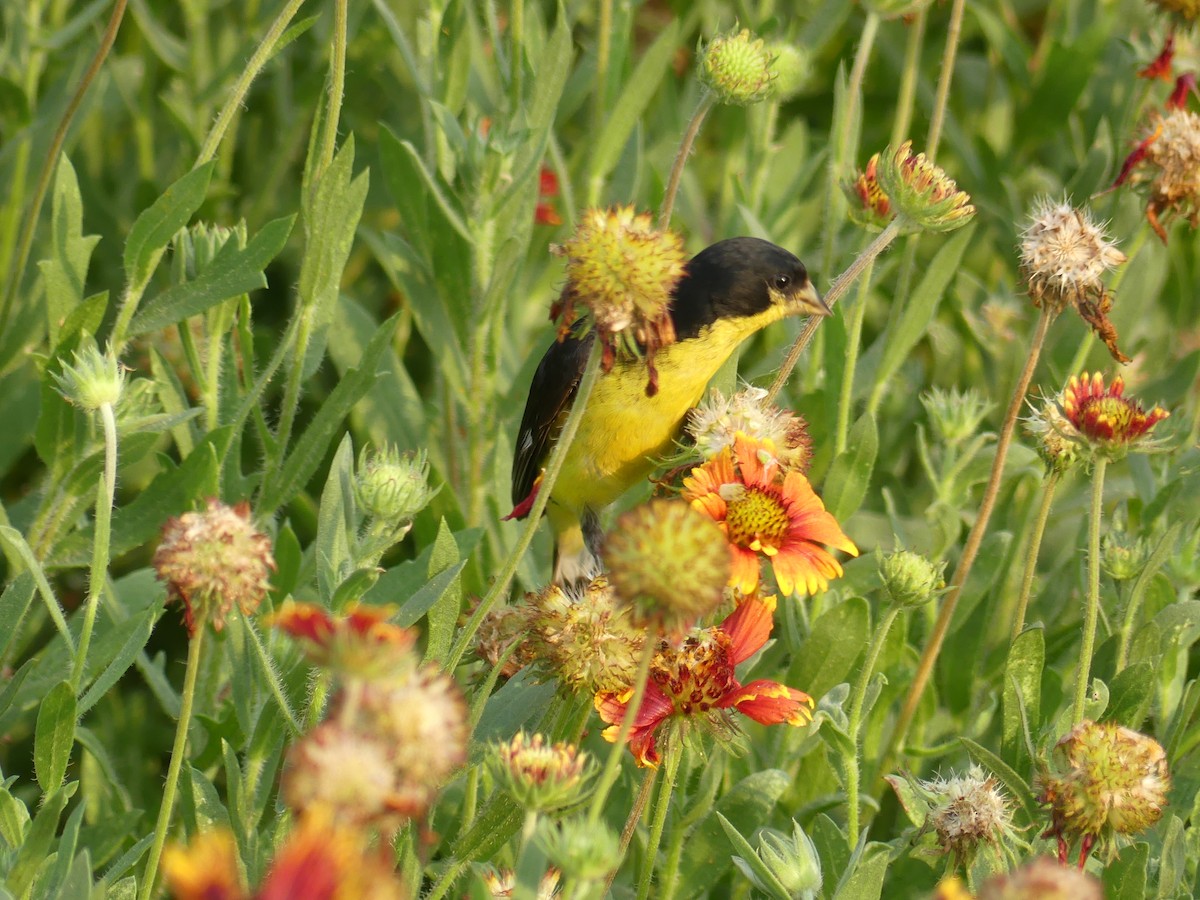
column 864, row 881
column 1017, row 786
column 1022, row 695
column 1130, row 695
column 310, row 449
column 747, row 806
column 427, row 595
column 336, row 522
column 232, row 272
column 56, row 883
column 14, row 604
column 443, row 614
column 38, row 841
column 15, row 542
column 838, row 637
column 137, row 632
column 154, row 228
column 750, row 862
column 14, row 819
column 54, row 736
column 849, row 476
column 65, row 272
column 1172, row 865
column 1125, row 876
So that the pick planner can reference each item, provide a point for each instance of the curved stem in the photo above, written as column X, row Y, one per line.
column 707, row 102
column 953, row 31
column 25, row 244
column 100, row 542
column 842, row 284
column 907, row 93
column 262, row 53
column 1091, row 614
column 1031, row 554
column 974, row 539
column 855, row 722
column 553, row 466
column 661, row 807
column 177, row 753
column 853, row 339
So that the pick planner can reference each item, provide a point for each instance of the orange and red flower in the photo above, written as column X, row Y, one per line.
column 697, row 678
column 766, row 511
column 362, row 642
column 1104, row 415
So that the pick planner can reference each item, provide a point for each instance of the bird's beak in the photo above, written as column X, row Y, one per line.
column 808, row 302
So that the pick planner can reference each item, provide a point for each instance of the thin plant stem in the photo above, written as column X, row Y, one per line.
column 661, row 807
column 907, row 92
column 612, row 765
column 25, row 243
column 516, row 59
column 195, row 646
column 841, row 146
column 1092, row 612
column 853, row 771
column 337, row 89
column 974, row 539
column 853, row 340
column 631, row 822
column 953, row 32
column 1035, row 545
column 603, row 56
column 98, row 573
column 842, row 284
column 233, row 103
column 554, row 465
column 707, row 101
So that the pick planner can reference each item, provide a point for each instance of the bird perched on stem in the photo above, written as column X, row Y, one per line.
column 726, row 293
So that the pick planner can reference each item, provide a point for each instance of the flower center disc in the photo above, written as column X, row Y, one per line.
column 1112, row 414
column 756, row 516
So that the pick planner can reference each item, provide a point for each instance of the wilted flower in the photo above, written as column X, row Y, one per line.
column 696, row 680
column 212, row 560
column 584, row 636
column 920, row 191
column 541, row 776
column 546, row 213
column 1160, row 67
column 666, row 561
column 502, row 883
column 501, row 628
column 869, row 205
column 764, row 510
column 392, row 486
column 1042, row 879
column 715, row 423
column 1064, row 258
column 1107, row 780
column 793, row 861
column 1104, row 417
column 966, row 812
column 360, row 643
column 624, row 271
column 909, row 579
column 955, row 415
column 738, row 68
column 94, row 380
column 1175, row 155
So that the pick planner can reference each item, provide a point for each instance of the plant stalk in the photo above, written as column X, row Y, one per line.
column 1035, row 545
column 1092, row 613
column 853, row 770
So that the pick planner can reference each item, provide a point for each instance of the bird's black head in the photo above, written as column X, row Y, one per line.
column 742, row 276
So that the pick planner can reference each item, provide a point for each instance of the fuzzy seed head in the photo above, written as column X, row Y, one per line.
column 213, row 560
column 921, row 191
column 347, row 771
column 1042, row 879
column 967, row 811
column 1065, row 255
column 668, row 562
column 393, row 486
column 910, row 579
column 715, row 423
column 1185, row 12
column 738, row 68
column 542, row 776
column 1173, row 152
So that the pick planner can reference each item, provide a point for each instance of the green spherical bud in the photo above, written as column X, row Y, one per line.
column 791, row 67
column 541, row 776
column 393, row 486
column 738, row 68
column 1122, row 557
column 909, row 578
column 198, row 245
column 921, row 192
column 793, row 861
column 94, row 380
column 581, row 851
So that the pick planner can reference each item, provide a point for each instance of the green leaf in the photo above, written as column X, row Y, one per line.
column 56, row 882
column 136, row 632
column 1125, row 876
column 849, row 476
column 747, row 806
column 310, row 449
column 336, row 522
column 1022, row 694
column 330, row 221
column 914, row 805
column 837, row 639
column 521, row 700
column 55, row 736
column 864, row 879
column 498, row 821
column 427, row 595
column 15, row 542
column 14, row 819
column 443, row 615
column 232, row 272
column 64, row 274
column 154, row 228
column 14, row 604
column 38, row 841
column 1172, row 865
column 1130, row 694
column 1017, row 786
column 750, row 862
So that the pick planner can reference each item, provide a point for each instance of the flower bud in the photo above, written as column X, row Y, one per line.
column 791, row 67
column 581, row 851
column 96, row 379
column 541, row 776
column 792, row 860
column 910, row 579
column 198, row 245
column 955, row 416
column 920, row 191
column 393, row 486
column 869, row 205
column 1122, row 557
column 737, row 68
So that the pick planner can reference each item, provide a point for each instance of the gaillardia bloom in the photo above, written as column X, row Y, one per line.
column 764, row 510
column 922, row 192
column 697, row 679
column 1104, row 416
column 869, row 205
column 361, row 643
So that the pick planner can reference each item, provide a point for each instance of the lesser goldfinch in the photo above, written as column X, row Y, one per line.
column 728, row 292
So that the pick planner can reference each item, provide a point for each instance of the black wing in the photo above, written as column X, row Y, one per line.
column 550, row 395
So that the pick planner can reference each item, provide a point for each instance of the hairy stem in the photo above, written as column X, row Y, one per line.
column 1031, row 554
column 859, row 698
column 707, row 102
column 1092, row 612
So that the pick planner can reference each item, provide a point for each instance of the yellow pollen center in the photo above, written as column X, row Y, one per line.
column 1112, row 412
column 756, row 517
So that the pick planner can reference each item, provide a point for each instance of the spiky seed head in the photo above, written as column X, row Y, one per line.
column 93, row 380
column 1065, row 256
column 738, row 68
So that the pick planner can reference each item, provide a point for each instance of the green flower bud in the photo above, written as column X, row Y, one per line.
column 793, row 861
column 921, row 192
column 955, row 416
column 393, row 486
column 197, row 245
column 738, row 68
column 94, row 380
column 540, row 776
column 581, row 851
column 791, row 68
column 1123, row 557
column 909, row 578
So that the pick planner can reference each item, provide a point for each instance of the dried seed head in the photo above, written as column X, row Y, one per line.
column 1042, row 879
column 348, row 771
column 714, row 425
column 1185, row 12
column 212, row 560
column 967, row 811
column 1064, row 257
column 1174, row 152
column 921, row 191
column 738, row 68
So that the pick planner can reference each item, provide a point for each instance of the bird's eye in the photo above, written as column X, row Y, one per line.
column 781, row 282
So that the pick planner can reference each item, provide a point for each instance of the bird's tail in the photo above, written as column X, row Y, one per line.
column 576, row 546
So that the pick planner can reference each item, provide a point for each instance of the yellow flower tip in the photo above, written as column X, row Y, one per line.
column 921, row 191
column 869, row 205
column 738, row 68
